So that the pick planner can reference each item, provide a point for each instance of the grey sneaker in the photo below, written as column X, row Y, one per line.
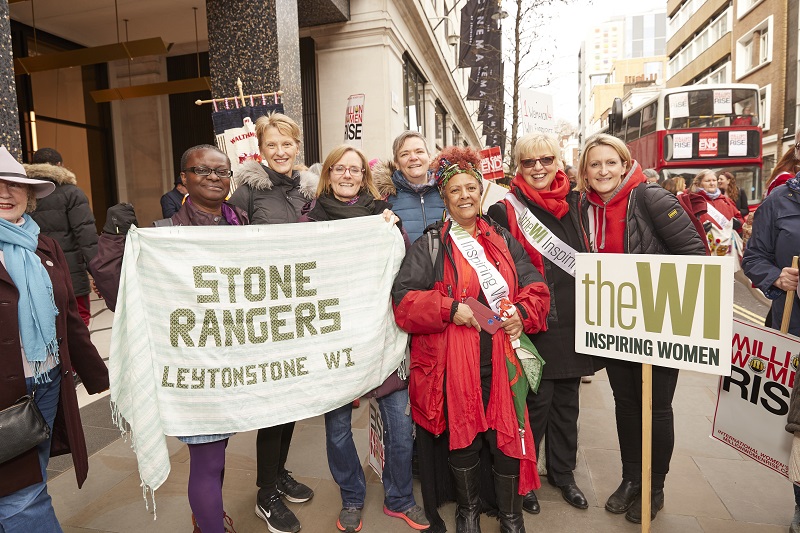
column 414, row 517
column 795, row 526
column 349, row 520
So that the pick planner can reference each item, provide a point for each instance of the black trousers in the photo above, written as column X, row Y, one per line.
column 272, row 449
column 471, row 455
column 553, row 412
column 626, row 382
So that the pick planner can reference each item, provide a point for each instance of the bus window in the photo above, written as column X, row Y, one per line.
column 705, row 108
column 649, row 119
column 632, row 126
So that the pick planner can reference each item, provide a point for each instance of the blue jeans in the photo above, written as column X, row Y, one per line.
column 20, row 510
column 398, row 440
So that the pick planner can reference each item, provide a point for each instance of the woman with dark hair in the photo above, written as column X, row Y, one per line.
column 468, row 258
column 788, row 166
column 621, row 213
column 43, row 339
column 346, row 190
column 726, row 182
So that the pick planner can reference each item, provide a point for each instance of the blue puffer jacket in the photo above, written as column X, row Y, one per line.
column 775, row 239
column 416, row 208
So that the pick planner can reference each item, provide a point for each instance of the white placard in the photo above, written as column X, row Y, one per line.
column 737, row 143
column 753, row 402
column 537, row 112
column 723, row 102
column 679, row 105
column 681, row 146
column 664, row 310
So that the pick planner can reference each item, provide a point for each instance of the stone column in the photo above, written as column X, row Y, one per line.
column 257, row 41
column 9, row 113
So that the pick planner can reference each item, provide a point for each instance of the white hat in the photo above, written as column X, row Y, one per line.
column 11, row 170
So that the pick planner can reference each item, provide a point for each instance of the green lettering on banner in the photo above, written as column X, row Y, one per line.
column 275, row 281
column 199, row 378
column 262, row 326
column 230, row 272
column 201, row 283
column 179, row 381
column 332, row 358
column 238, row 376
column 263, row 367
column 303, row 320
column 301, row 369
column 250, row 371
column 653, row 308
column 349, row 360
column 300, row 280
column 629, row 305
column 165, row 378
column 210, row 329
column 226, row 377
column 212, row 372
column 335, row 316
column 289, row 368
column 261, row 284
column 275, row 370
column 232, row 327
column 276, row 323
column 712, row 291
column 537, row 232
column 177, row 328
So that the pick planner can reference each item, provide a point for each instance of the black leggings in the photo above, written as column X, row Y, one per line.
column 468, row 457
column 626, row 382
column 272, row 449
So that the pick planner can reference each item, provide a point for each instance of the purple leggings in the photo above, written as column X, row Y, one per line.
column 206, row 471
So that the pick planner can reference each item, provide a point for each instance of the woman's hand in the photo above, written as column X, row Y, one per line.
column 787, row 281
column 513, row 326
column 390, row 217
column 465, row 317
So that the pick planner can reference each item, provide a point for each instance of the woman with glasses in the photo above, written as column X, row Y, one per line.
column 621, row 214
column 346, row 190
column 272, row 192
column 542, row 192
column 206, row 174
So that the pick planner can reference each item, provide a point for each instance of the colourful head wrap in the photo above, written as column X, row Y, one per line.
column 447, row 170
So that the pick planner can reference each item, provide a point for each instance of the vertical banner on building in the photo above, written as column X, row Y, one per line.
column 681, row 146
column 664, row 310
column 707, row 144
column 376, row 448
column 737, row 143
column 753, row 402
column 723, row 102
column 479, row 32
column 537, row 112
column 354, row 121
column 235, row 131
column 492, row 163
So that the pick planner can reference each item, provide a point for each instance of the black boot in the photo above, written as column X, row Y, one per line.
column 468, row 510
column 634, row 514
column 624, row 496
column 509, row 503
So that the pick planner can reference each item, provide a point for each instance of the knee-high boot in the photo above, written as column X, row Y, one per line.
column 509, row 503
column 468, row 511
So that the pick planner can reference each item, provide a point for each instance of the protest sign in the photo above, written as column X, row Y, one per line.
column 377, row 451
column 663, row 310
column 537, row 112
column 224, row 329
column 492, row 163
column 753, row 402
column 354, row 121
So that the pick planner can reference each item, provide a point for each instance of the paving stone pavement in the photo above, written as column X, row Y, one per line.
column 711, row 488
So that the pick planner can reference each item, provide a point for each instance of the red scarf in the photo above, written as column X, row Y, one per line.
column 554, row 200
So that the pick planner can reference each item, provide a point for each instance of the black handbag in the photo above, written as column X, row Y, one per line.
column 22, row 427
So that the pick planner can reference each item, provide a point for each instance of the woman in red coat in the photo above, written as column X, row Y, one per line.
column 720, row 207
column 450, row 354
column 43, row 337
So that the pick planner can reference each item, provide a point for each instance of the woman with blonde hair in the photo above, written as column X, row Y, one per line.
column 613, row 190
column 720, row 207
column 542, row 191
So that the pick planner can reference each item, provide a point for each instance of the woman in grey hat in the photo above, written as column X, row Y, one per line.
column 51, row 338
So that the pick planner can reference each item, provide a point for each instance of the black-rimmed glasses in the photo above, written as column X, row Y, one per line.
column 222, row 173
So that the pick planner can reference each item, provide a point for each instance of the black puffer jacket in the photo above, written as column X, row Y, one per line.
column 271, row 198
column 65, row 216
column 655, row 223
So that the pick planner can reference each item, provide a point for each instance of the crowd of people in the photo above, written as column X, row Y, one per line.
column 456, row 370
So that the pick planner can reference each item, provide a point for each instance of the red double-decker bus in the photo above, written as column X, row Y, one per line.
column 684, row 130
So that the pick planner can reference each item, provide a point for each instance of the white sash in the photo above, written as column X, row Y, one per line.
column 718, row 217
column 493, row 284
column 540, row 237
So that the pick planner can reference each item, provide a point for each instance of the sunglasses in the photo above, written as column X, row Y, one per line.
column 544, row 161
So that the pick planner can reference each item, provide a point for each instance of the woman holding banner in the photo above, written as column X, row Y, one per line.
column 721, row 208
column 768, row 263
column 272, row 192
column 540, row 194
column 457, row 272
column 613, row 190
column 346, row 190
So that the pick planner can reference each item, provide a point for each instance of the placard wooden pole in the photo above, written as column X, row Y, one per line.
column 787, row 308
column 647, row 440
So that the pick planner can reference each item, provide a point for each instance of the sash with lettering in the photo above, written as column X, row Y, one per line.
column 542, row 239
column 718, row 217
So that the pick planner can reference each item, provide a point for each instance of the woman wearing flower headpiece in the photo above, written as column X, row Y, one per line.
column 452, row 356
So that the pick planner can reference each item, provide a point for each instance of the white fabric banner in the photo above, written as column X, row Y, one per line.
column 753, row 402
column 225, row 329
